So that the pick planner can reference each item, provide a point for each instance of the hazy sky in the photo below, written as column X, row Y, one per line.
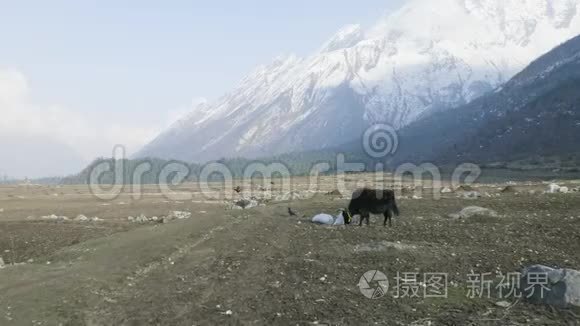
column 88, row 74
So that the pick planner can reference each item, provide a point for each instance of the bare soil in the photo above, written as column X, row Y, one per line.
column 262, row 267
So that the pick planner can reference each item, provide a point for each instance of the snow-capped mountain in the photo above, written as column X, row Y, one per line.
column 426, row 55
column 535, row 114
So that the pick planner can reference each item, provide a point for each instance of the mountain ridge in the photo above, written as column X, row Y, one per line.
column 395, row 72
column 537, row 113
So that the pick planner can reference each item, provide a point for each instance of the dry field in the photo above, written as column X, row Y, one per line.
column 260, row 266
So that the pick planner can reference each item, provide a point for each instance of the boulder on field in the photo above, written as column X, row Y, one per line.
column 55, row 218
column 471, row 195
column 383, row 246
column 244, row 204
column 177, row 215
column 292, row 195
column 509, row 190
column 555, row 287
column 2, row 265
column 464, row 188
column 446, row 190
column 553, row 188
column 564, row 190
column 141, row 219
column 81, row 218
column 335, row 192
column 472, row 211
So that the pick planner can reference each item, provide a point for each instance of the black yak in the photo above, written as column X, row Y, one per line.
column 368, row 201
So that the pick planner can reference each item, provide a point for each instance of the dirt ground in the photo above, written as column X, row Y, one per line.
column 260, row 266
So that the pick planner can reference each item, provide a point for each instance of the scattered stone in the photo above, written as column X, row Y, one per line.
column 553, row 188
column 2, row 265
column 471, row 195
column 244, row 204
column 141, row 219
column 464, row 188
column 81, row 218
column 503, row 304
column 335, row 192
column 509, row 189
column 179, row 215
column 471, row 211
column 446, row 190
column 564, row 190
column 562, row 288
column 55, row 218
column 174, row 215
column 292, row 195
column 383, row 246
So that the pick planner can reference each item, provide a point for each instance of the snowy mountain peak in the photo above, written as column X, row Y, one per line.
column 346, row 37
column 425, row 56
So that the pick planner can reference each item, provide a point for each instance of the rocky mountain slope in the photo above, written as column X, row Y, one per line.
column 535, row 113
column 426, row 56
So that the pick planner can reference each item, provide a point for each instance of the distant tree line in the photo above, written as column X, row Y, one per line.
column 297, row 164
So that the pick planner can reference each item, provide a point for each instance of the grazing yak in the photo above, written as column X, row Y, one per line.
column 368, row 201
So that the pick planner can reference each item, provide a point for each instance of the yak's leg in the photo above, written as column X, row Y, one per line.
column 364, row 215
column 388, row 217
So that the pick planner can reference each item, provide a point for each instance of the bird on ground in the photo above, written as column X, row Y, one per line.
column 291, row 212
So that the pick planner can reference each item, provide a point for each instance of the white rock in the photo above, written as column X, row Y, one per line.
column 564, row 190
column 471, row 195
column 553, row 188
column 472, row 211
column 2, row 265
column 503, row 304
column 179, row 215
column 81, row 218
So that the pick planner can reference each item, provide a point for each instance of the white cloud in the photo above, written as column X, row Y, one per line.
column 90, row 138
